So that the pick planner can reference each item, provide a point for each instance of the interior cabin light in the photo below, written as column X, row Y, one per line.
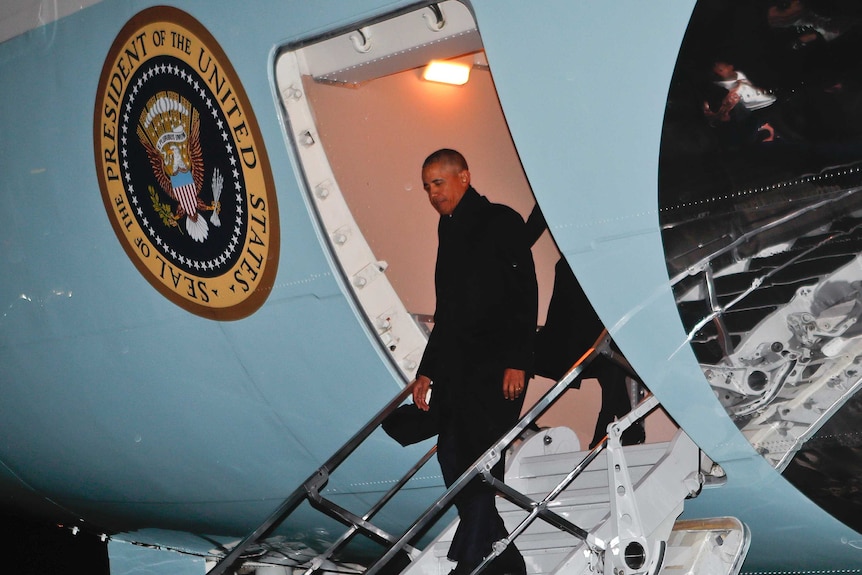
column 447, row 72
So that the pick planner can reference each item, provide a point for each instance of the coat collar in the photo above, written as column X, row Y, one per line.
column 470, row 203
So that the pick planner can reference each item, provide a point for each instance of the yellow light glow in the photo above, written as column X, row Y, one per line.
column 447, row 72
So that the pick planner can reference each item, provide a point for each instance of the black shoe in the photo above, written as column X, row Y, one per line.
column 461, row 569
column 634, row 435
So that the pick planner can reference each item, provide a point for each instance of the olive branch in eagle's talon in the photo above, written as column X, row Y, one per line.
column 163, row 210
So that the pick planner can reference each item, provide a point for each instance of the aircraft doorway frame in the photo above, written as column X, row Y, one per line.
column 360, row 58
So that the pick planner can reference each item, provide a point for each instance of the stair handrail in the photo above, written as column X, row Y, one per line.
column 311, row 487
column 492, row 456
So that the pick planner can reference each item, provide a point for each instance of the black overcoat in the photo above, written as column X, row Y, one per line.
column 485, row 317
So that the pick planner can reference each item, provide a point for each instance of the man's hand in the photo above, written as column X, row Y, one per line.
column 513, row 383
column 420, row 391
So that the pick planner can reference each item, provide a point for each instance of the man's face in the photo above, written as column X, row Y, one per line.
column 445, row 186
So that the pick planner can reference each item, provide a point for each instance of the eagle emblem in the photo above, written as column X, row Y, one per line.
column 169, row 129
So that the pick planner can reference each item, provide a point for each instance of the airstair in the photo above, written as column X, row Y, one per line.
column 611, row 510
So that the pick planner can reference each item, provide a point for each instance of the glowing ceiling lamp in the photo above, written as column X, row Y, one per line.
column 447, row 72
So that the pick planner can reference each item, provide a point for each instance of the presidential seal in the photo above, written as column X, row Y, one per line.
column 184, row 175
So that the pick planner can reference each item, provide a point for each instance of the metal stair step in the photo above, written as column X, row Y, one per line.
column 661, row 478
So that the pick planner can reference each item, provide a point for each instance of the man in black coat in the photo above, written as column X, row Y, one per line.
column 479, row 353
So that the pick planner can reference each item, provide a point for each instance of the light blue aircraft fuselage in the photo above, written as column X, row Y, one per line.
column 125, row 412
